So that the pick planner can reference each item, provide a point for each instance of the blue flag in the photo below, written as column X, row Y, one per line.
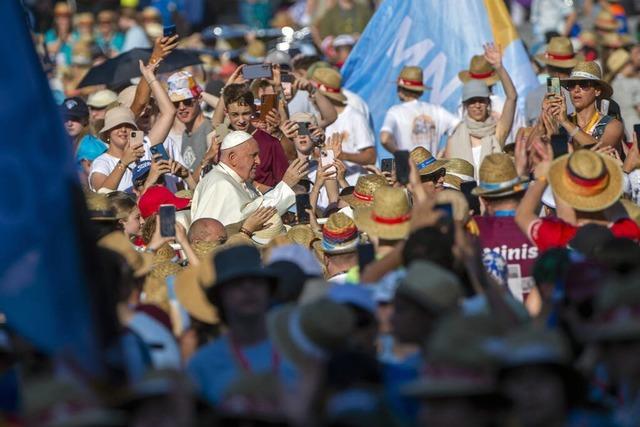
column 438, row 36
column 43, row 293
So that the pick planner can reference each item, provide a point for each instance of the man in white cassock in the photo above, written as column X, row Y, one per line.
column 227, row 193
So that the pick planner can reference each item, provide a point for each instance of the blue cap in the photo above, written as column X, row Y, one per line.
column 89, row 148
column 358, row 295
column 142, row 168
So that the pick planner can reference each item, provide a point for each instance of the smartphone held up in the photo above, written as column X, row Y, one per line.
column 167, row 215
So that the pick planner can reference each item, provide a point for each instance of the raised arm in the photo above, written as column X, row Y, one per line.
column 218, row 114
column 493, row 55
column 526, row 213
column 162, row 126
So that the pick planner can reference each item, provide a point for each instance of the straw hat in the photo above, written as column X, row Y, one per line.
column 116, row 117
column 617, row 315
column 85, row 18
column 106, row 16
column 458, row 203
column 479, row 69
column 311, row 331
column 616, row 61
column 590, row 70
column 193, row 298
column 302, row 234
column 588, row 38
column 339, row 235
column 586, row 180
column 453, row 182
column 411, row 78
column 425, row 162
column 615, row 40
column 363, row 192
column 431, row 286
column 498, row 177
column 389, row 217
column 605, row 21
column 559, row 53
column 151, row 12
column 99, row 207
column 329, row 82
column 62, row 9
column 254, row 52
column 276, row 228
column 460, row 168
column 140, row 262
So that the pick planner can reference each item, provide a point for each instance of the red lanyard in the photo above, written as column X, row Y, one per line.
column 239, row 356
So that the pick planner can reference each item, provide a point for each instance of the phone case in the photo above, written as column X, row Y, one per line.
column 267, row 103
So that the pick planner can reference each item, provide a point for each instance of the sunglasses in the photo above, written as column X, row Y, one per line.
column 434, row 177
column 583, row 84
column 186, row 103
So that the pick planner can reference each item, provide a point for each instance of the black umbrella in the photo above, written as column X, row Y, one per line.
column 117, row 71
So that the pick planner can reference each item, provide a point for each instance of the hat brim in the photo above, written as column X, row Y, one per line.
column 518, row 187
column 606, row 26
column 339, row 97
column 364, row 221
column 606, row 88
column 465, row 77
column 420, row 88
column 107, row 129
column 354, row 202
column 193, row 298
column 147, row 265
column 349, row 248
column 560, row 63
column 433, row 168
column 278, row 326
column 590, row 203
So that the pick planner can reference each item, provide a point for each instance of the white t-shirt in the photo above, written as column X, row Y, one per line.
column 416, row 123
column 356, row 102
column 106, row 163
column 358, row 136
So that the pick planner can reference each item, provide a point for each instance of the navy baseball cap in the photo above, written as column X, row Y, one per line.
column 141, row 170
column 74, row 108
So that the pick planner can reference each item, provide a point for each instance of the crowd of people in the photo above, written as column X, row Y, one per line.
column 479, row 267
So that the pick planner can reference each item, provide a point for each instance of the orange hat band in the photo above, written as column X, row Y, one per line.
column 587, row 186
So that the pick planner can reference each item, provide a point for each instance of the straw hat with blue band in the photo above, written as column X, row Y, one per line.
column 425, row 162
column 498, row 177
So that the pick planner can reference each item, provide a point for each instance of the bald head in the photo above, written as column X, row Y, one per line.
column 207, row 230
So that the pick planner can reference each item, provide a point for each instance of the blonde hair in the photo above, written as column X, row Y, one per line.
column 122, row 204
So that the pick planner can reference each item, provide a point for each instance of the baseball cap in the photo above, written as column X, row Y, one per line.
column 102, row 98
column 141, row 170
column 278, row 57
column 158, row 195
column 475, row 89
column 74, row 108
column 182, row 86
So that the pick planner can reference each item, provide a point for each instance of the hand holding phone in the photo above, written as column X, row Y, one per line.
column 386, row 165
column 553, row 86
column 327, row 157
column 302, row 204
column 258, row 71
column 158, row 149
column 366, row 255
column 169, row 31
column 136, row 138
column 167, row 216
column 267, row 103
column 402, row 166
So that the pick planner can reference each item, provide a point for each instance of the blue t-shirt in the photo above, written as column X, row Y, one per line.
column 214, row 367
column 396, row 376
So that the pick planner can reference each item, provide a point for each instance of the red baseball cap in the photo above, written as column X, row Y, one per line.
column 158, row 195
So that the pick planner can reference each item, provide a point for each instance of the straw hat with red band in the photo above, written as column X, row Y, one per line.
column 363, row 192
column 586, row 181
column 411, row 79
column 329, row 82
column 425, row 162
column 389, row 217
column 157, row 195
column 605, row 21
column 479, row 69
column 559, row 53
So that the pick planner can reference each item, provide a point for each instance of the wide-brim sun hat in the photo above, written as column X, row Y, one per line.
column 559, row 53
column 586, row 181
column 411, row 78
column 193, row 298
column 364, row 190
column 425, row 162
column 329, row 82
column 389, row 217
column 498, row 177
column 140, row 262
column 339, row 235
column 118, row 116
column 606, row 21
column 276, row 228
column 480, row 70
column 589, row 71
column 616, row 61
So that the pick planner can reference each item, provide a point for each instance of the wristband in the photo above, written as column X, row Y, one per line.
column 246, row 232
column 120, row 165
column 574, row 132
column 542, row 179
column 152, row 81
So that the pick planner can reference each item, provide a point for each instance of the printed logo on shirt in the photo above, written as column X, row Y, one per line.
column 423, row 132
column 189, row 157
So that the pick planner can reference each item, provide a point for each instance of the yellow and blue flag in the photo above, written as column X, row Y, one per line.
column 438, row 36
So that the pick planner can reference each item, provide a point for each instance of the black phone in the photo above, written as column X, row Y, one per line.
column 159, row 149
column 474, row 201
column 446, row 208
column 366, row 255
column 636, row 130
column 258, row 71
column 286, row 78
column 559, row 145
column 302, row 204
column 167, row 214
column 303, row 128
column 169, row 31
column 402, row 166
column 386, row 165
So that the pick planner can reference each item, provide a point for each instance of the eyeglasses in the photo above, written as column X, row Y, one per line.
column 583, row 84
column 434, row 176
column 476, row 100
column 186, row 102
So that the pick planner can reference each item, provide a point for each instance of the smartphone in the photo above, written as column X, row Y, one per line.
column 559, row 145
column 287, row 89
column 258, row 71
column 474, row 201
column 366, row 255
column 402, row 166
column 167, row 215
column 386, row 165
column 159, row 149
column 636, row 129
column 303, row 128
column 302, row 204
column 136, row 138
column 169, row 31
column 327, row 157
column 553, row 85
column 604, row 107
column 446, row 208
column 267, row 103
column 286, row 78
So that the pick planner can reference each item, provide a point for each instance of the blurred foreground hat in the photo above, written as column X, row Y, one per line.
column 141, row 262
column 102, row 99
column 254, row 52
column 278, row 57
column 431, row 286
column 389, row 217
column 616, row 61
column 480, row 70
column 99, row 207
column 411, row 78
column 605, row 21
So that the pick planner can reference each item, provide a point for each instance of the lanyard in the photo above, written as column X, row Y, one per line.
column 592, row 122
column 505, row 212
column 240, row 358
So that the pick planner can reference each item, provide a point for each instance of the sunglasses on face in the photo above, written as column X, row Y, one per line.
column 582, row 84
column 187, row 103
column 434, row 177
